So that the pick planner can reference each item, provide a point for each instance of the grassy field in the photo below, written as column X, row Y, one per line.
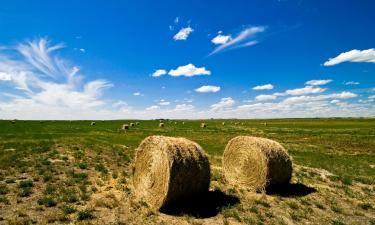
column 75, row 172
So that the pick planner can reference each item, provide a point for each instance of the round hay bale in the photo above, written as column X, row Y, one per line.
column 161, row 124
column 169, row 170
column 125, row 127
column 137, row 123
column 92, row 123
column 223, row 123
column 256, row 163
column 183, row 123
column 132, row 124
column 203, row 125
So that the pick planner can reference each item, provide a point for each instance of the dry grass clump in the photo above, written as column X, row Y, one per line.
column 161, row 124
column 203, row 125
column 169, row 170
column 125, row 127
column 256, row 163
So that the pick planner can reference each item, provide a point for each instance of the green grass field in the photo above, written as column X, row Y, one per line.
column 70, row 166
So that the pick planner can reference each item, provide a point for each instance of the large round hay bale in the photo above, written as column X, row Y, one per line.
column 125, row 127
column 92, row 123
column 203, row 125
column 256, row 163
column 169, row 170
column 132, row 124
column 161, row 124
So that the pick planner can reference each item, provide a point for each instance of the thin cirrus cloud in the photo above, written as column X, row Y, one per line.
column 263, row 87
column 208, row 89
column 318, row 82
column 243, row 39
column 46, row 83
column 183, row 34
column 353, row 56
column 351, row 83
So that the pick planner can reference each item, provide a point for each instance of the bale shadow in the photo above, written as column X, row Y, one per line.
column 291, row 190
column 204, row 206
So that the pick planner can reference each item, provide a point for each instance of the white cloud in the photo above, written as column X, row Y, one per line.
column 241, row 40
column 183, row 34
column 5, row 76
column 208, row 88
column 189, row 70
column 263, row 87
column 265, row 97
column 153, row 107
column 223, row 104
column 163, row 102
column 221, row 39
column 371, row 97
column 136, row 93
column 82, row 50
column 335, row 101
column 353, row 56
column 159, row 72
column 305, row 90
column 176, row 20
column 351, row 83
column 47, row 87
column 184, row 107
column 318, row 82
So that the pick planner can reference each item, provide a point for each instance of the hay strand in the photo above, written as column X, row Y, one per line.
column 256, row 163
column 169, row 170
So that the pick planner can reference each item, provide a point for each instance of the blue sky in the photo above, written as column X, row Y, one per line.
column 186, row 59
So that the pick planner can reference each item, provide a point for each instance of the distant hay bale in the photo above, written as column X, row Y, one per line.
column 137, row 123
column 169, row 170
column 203, row 125
column 161, row 124
column 175, row 122
column 92, row 123
column 256, row 163
column 223, row 123
column 125, row 127
column 132, row 124
column 183, row 123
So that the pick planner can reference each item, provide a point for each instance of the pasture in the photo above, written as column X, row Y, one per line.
column 81, row 172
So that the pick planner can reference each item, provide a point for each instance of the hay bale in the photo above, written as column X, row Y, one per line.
column 132, row 124
column 203, row 125
column 183, row 123
column 161, row 124
column 175, row 122
column 256, row 163
column 137, row 123
column 223, row 123
column 169, row 170
column 92, row 123
column 125, row 127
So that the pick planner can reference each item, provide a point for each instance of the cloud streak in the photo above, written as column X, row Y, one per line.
column 241, row 40
column 353, row 56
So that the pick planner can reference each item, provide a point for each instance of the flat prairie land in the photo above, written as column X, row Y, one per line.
column 73, row 172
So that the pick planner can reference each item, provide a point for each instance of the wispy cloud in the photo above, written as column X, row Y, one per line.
column 263, row 87
column 351, row 83
column 207, row 89
column 47, row 83
column 243, row 39
column 265, row 97
column 183, row 34
column 318, row 82
column 353, row 56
